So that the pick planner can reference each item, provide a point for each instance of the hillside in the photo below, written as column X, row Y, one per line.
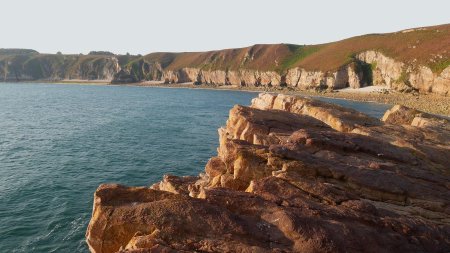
column 428, row 46
column 414, row 59
column 420, row 45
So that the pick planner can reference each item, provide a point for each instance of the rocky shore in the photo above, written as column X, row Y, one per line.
column 294, row 174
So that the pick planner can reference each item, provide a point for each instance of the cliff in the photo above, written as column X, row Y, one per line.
column 409, row 60
column 29, row 65
column 294, row 175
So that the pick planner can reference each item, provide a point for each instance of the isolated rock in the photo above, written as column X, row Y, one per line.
column 400, row 115
column 294, row 175
column 175, row 184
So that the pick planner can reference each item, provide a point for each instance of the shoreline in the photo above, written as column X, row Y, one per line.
column 430, row 103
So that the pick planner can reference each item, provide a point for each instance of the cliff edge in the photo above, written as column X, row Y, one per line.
column 294, row 174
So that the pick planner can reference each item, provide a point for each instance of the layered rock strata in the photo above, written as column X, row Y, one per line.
column 401, row 76
column 294, row 175
column 21, row 68
column 367, row 68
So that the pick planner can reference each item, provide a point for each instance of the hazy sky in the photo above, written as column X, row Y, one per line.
column 144, row 26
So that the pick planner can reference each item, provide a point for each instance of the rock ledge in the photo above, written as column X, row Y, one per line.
column 294, row 175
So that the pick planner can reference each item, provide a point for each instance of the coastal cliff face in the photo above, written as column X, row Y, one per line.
column 411, row 60
column 369, row 68
column 98, row 69
column 294, row 175
column 414, row 60
column 28, row 65
column 244, row 77
column 399, row 76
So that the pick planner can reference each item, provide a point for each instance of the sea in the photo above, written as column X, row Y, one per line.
column 59, row 142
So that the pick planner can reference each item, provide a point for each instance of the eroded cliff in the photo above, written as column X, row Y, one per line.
column 411, row 60
column 294, row 175
column 29, row 65
column 368, row 68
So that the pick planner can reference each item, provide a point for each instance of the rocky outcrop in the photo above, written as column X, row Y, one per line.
column 424, row 80
column 367, row 68
column 347, row 76
column 298, row 77
column 138, row 71
column 386, row 71
column 294, row 175
column 100, row 69
column 401, row 76
column 31, row 67
column 254, row 78
column 213, row 77
column 401, row 115
column 220, row 77
column 344, row 77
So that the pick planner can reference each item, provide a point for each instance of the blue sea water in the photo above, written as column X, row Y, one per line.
column 59, row 142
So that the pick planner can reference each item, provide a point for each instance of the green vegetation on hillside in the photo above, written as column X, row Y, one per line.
column 439, row 65
column 403, row 77
column 298, row 54
column 415, row 46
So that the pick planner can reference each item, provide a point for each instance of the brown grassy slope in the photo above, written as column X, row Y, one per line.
column 165, row 59
column 261, row 57
column 421, row 46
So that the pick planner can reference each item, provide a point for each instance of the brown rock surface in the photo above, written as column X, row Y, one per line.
column 295, row 175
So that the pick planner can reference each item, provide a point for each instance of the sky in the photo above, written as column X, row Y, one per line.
column 144, row 26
